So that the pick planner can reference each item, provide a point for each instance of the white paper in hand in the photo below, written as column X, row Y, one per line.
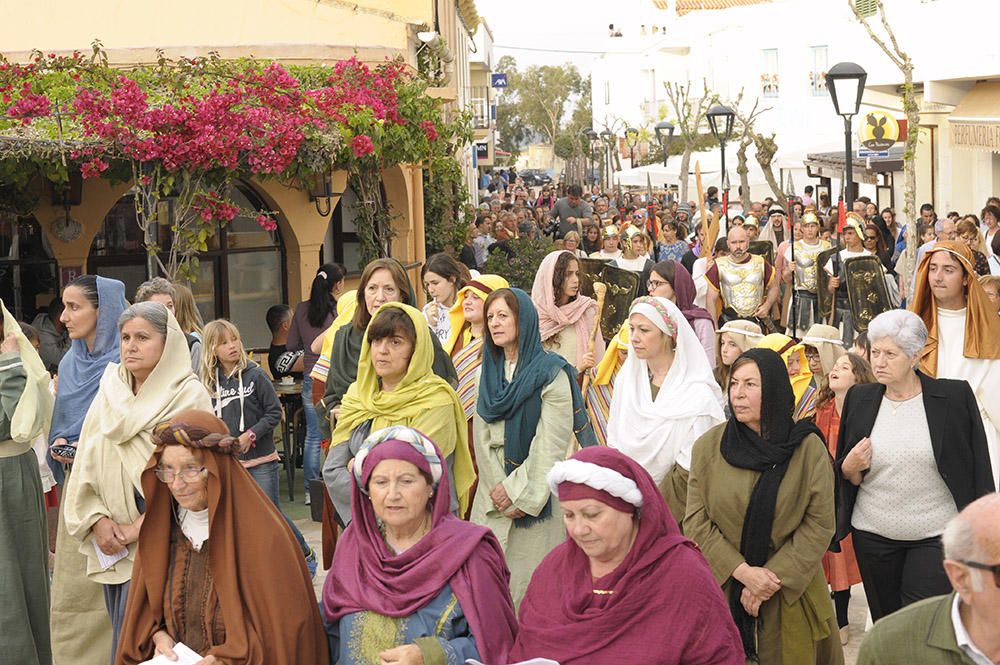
column 108, row 560
column 185, row 656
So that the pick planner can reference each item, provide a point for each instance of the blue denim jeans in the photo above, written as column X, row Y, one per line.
column 310, row 459
column 266, row 475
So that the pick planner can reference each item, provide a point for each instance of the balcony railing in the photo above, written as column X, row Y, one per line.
column 480, row 99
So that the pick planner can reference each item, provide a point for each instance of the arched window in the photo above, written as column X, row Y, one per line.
column 28, row 273
column 239, row 277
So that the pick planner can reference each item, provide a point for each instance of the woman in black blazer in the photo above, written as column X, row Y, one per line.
column 911, row 453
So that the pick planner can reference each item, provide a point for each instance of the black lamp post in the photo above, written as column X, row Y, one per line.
column 720, row 120
column 631, row 139
column 592, row 140
column 846, row 83
column 664, row 136
column 608, row 137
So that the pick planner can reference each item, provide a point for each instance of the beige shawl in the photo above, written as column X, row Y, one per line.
column 116, row 443
column 34, row 409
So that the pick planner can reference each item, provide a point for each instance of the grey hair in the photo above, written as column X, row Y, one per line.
column 153, row 312
column 904, row 328
column 153, row 287
column 959, row 539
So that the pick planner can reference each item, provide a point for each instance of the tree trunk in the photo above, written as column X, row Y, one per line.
column 910, row 171
column 683, row 176
column 766, row 149
column 744, row 170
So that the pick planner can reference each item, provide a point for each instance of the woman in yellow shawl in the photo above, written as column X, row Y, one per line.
column 395, row 386
column 25, row 410
column 794, row 355
column 465, row 344
column 601, row 388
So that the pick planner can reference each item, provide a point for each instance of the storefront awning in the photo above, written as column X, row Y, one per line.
column 975, row 122
column 863, row 169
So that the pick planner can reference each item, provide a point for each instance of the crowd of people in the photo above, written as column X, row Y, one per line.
column 502, row 483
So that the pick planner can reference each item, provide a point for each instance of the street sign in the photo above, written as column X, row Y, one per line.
column 865, row 152
column 498, row 80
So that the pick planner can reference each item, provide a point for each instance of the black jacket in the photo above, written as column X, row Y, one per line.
column 957, row 436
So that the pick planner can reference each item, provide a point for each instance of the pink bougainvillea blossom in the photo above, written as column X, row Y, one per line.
column 429, row 129
column 362, row 145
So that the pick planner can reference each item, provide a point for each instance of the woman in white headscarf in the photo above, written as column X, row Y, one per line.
column 665, row 397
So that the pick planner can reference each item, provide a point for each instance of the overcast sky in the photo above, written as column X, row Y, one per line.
column 554, row 30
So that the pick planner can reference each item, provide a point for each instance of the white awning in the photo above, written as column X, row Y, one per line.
column 975, row 122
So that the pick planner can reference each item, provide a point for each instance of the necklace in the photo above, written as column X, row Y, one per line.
column 896, row 405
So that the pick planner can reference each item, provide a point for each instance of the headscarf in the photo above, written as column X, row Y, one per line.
column 518, row 402
column 785, row 347
column 117, row 440
column 367, row 576
column 747, row 335
column 482, row 286
column 552, row 318
column 258, row 573
column 653, row 431
column 34, row 407
column 80, row 370
column 826, row 340
column 419, row 391
column 684, row 292
column 633, row 620
column 769, row 453
column 982, row 325
column 609, row 365
column 347, row 304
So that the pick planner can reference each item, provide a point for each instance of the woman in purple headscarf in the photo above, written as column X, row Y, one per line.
column 626, row 586
column 671, row 280
column 411, row 583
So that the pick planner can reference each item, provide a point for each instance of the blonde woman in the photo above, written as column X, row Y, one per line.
column 572, row 243
column 186, row 312
column 243, row 397
column 733, row 339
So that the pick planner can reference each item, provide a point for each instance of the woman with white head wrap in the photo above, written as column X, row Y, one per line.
column 665, row 397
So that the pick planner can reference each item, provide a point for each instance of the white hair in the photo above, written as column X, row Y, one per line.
column 903, row 328
column 961, row 542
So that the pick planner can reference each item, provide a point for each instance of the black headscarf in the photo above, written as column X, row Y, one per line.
column 769, row 453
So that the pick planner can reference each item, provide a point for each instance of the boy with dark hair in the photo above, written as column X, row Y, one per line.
column 280, row 360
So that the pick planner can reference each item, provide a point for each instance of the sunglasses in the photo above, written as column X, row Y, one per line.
column 995, row 569
column 868, row 237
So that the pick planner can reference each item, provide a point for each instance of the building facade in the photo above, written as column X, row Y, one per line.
column 246, row 268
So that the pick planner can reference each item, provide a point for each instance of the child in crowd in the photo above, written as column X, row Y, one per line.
column 244, row 398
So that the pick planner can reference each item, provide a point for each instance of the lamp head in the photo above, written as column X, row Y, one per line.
column 846, row 83
column 720, row 120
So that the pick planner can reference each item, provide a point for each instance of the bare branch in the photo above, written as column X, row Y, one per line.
column 892, row 35
column 875, row 38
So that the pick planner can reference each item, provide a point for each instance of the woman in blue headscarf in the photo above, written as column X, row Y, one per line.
column 81, row 629
column 528, row 412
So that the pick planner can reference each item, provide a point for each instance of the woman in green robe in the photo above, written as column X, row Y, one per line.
column 760, row 505
column 25, row 410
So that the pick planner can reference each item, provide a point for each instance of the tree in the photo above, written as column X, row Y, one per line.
column 765, row 147
column 912, row 110
column 690, row 114
column 536, row 101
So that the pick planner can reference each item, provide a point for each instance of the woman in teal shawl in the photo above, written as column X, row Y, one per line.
column 530, row 414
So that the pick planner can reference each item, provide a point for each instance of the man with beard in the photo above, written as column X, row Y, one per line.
column 744, row 281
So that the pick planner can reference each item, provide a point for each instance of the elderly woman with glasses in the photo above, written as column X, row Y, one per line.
column 186, row 587
column 911, row 453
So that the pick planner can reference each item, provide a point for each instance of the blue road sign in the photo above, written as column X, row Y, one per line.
column 498, row 80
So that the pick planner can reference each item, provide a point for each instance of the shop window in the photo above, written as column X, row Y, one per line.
column 769, row 76
column 817, row 75
column 28, row 273
column 239, row 277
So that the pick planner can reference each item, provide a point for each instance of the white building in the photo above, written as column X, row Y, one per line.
column 778, row 52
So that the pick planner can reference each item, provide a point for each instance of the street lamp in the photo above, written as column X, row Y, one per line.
column 846, row 83
column 631, row 139
column 608, row 137
column 592, row 139
column 720, row 120
column 664, row 136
